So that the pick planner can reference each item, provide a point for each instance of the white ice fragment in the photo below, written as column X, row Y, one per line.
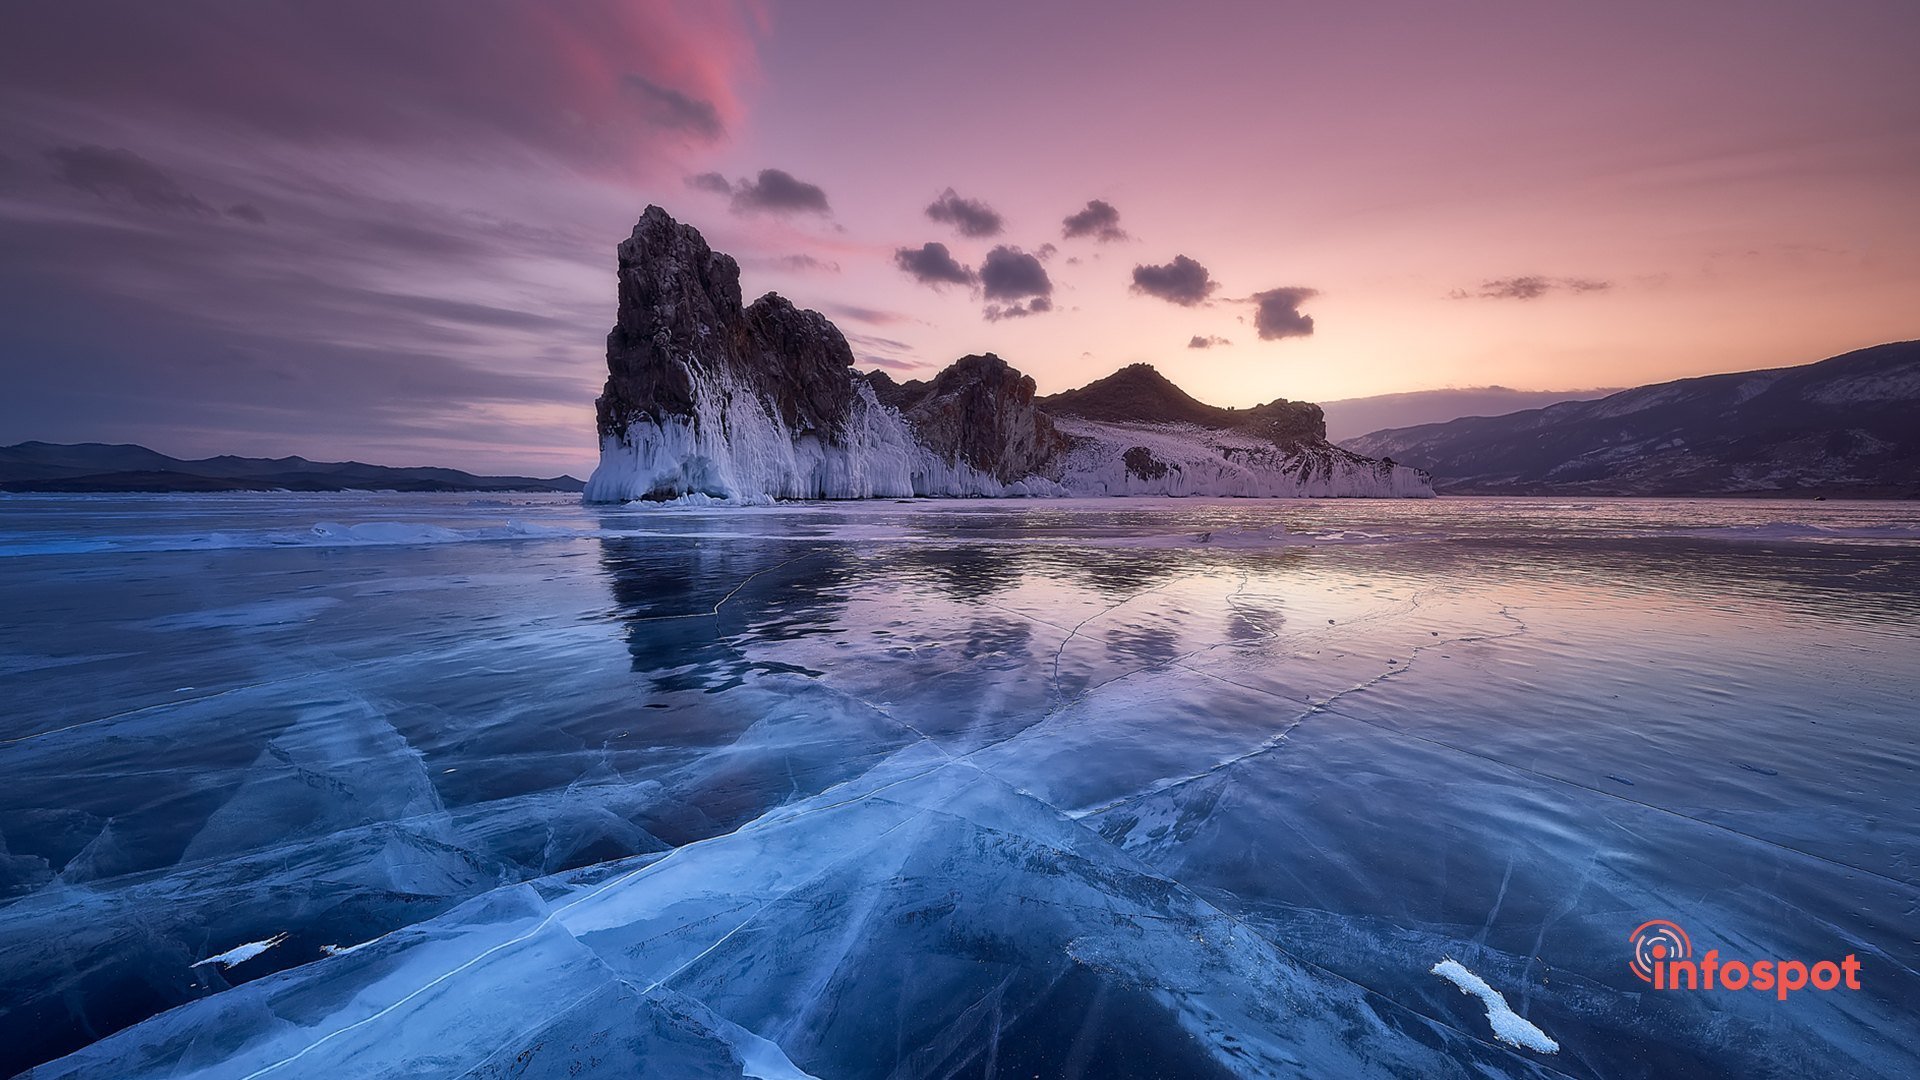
column 1508, row 1026
column 342, row 950
column 240, row 954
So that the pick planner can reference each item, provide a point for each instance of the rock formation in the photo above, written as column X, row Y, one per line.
column 707, row 397
column 978, row 411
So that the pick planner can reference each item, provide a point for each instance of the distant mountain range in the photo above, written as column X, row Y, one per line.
column 1352, row 417
column 81, row 467
column 1849, row 425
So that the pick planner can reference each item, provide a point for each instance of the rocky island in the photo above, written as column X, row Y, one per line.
column 707, row 396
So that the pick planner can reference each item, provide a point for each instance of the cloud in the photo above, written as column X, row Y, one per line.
column 876, row 343
column 591, row 85
column 1528, row 287
column 1206, row 341
column 247, row 212
column 114, row 173
column 1099, row 220
column 1036, row 306
column 710, row 181
column 804, row 264
column 891, row 363
column 1277, row 312
column 776, row 191
column 1181, row 281
column 970, row 216
column 884, row 352
column 677, row 111
column 932, row 264
column 876, row 316
column 1011, row 274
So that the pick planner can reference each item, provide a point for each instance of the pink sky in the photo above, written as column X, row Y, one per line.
column 426, row 274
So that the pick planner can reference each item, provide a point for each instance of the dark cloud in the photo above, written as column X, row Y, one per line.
column 776, row 191
column 1206, row 341
column 970, row 216
column 1036, row 306
column 499, row 78
column 1181, row 281
column 114, row 173
column 710, row 181
column 247, row 212
column 677, row 111
column 1277, row 313
column 1528, row 287
column 1099, row 220
column 1011, row 274
column 932, row 264
column 1045, row 252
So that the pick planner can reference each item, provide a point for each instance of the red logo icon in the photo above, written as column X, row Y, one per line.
column 1655, row 942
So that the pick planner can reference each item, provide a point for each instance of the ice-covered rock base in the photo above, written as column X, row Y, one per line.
column 735, row 449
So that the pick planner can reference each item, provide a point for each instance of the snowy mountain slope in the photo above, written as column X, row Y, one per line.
column 1350, row 418
column 1846, row 425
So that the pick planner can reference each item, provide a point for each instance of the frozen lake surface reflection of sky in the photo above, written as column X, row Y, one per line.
column 989, row 788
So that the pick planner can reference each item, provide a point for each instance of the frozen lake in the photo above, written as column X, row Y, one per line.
column 1101, row 788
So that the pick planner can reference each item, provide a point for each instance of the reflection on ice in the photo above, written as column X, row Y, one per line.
column 980, row 789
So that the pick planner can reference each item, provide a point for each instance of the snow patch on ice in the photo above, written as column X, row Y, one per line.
column 240, row 954
column 342, row 950
column 1508, row 1026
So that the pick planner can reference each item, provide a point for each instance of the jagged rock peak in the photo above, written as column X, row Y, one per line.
column 681, row 325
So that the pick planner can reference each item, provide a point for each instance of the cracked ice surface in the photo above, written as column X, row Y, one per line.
column 1193, row 788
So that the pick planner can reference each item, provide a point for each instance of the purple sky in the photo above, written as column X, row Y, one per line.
column 349, row 228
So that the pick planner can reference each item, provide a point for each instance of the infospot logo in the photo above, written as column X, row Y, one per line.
column 1663, row 956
